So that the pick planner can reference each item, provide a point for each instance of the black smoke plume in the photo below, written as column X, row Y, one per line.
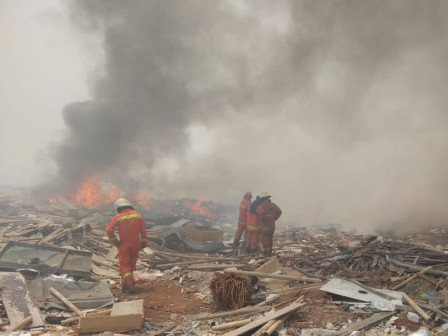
column 337, row 108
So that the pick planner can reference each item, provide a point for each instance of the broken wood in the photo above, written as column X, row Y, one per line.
column 263, row 320
column 273, row 276
column 434, row 281
column 412, row 277
column 234, row 324
column 213, row 267
column 295, row 288
column 276, row 325
column 240, row 311
column 67, row 207
column 71, row 320
column 365, row 324
column 21, row 324
column 417, row 268
column 169, row 265
column 123, row 317
column 65, row 301
column 196, row 256
column 264, row 328
column 100, row 261
column 417, row 309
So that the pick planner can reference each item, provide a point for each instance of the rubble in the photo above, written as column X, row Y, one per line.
column 321, row 281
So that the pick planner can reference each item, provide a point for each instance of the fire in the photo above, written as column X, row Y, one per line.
column 142, row 198
column 198, row 208
column 94, row 194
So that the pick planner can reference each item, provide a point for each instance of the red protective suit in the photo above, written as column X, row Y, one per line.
column 242, row 220
column 132, row 232
column 269, row 212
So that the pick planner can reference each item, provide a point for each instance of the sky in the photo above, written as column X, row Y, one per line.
column 44, row 64
column 336, row 108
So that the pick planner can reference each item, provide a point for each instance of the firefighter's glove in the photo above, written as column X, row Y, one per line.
column 143, row 244
column 117, row 243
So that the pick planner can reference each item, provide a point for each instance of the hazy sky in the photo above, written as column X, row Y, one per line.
column 336, row 108
column 44, row 65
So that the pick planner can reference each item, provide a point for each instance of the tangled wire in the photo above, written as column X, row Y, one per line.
column 230, row 291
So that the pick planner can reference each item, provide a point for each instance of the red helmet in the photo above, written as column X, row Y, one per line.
column 248, row 194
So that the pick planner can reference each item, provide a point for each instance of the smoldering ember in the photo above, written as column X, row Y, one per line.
column 59, row 275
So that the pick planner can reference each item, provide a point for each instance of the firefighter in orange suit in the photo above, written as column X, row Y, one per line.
column 269, row 212
column 242, row 218
column 253, row 228
column 133, row 237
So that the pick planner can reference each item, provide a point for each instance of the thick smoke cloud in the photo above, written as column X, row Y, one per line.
column 337, row 108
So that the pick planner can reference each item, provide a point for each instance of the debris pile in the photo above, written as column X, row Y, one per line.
column 59, row 275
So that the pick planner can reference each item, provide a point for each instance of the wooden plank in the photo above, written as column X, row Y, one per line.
column 104, row 271
column 365, row 324
column 117, row 323
column 112, row 254
column 263, row 320
column 273, row 276
column 64, row 300
column 273, row 266
column 420, row 311
column 134, row 307
column 17, row 300
column 124, row 316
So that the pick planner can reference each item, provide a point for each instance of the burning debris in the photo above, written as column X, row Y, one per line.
column 319, row 279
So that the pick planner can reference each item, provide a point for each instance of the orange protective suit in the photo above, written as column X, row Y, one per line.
column 269, row 212
column 132, row 232
column 242, row 220
column 253, row 228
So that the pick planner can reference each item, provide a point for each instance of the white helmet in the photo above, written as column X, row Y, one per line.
column 121, row 202
column 265, row 195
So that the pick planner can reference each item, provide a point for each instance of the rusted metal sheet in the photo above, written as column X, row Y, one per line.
column 17, row 300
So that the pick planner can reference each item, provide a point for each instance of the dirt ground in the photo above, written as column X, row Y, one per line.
column 165, row 301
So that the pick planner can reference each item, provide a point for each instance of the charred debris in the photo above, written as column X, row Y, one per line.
column 59, row 275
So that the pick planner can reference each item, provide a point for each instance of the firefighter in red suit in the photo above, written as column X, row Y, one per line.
column 253, row 228
column 269, row 212
column 133, row 237
column 242, row 218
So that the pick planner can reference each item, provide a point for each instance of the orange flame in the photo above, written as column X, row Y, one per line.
column 94, row 194
column 198, row 208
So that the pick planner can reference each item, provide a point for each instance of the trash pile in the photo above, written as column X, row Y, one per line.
column 59, row 276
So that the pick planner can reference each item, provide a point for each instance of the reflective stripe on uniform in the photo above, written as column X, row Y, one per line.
column 253, row 228
column 126, row 275
column 128, row 217
column 144, row 240
column 267, row 229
